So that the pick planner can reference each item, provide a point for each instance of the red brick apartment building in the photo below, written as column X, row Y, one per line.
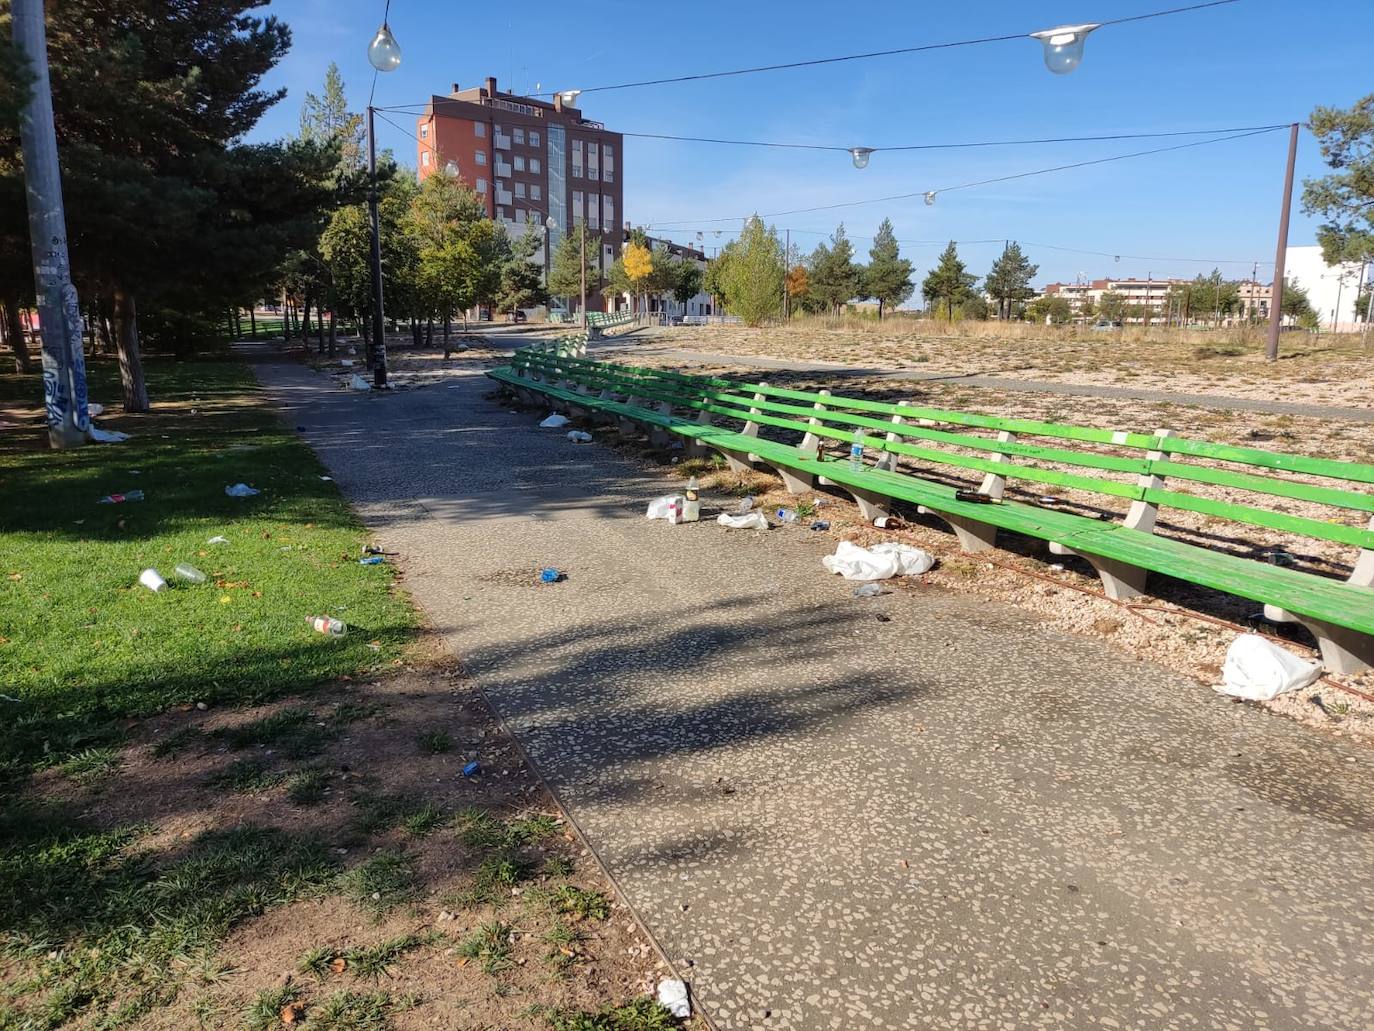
column 528, row 159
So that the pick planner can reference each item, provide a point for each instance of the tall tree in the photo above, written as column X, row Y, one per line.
column 888, row 276
column 948, row 284
column 753, row 275
column 1345, row 198
column 326, row 119
column 638, row 263
column 568, row 268
column 522, row 278
column 1008, row 281
column 686, row 282
column 834, row 278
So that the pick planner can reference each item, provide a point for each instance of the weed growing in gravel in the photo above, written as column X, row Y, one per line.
column 423, row 821
column 265, row 1011
column 382, row 882
column 356, row 1011
column 249, row 776
column 436, row 742
column 640, row 1015
column 307, row 787
column 90, row 764
column 490, row 943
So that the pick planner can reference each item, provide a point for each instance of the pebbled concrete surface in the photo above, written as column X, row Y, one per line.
column 955, row 819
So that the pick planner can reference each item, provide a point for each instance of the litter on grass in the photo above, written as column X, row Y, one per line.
column 748, row 521
column 241, row 490
column 579, row 436
column 1257, row 670
column 672, row 996
column 880, row 562
column 358, row 383
column 472, row 769
column 554, row 422
column 152, row 579
column 218, row 540
column 119, row 499
column 347, row 363
column 371, row 560
column 107, row 436
column 189, row 573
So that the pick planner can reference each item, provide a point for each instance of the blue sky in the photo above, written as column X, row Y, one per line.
column 1256, row 62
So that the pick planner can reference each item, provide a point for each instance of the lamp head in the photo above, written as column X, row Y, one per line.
column 570, row 95
column 551, row 222
column 1064, row 46
column 384, row 53
column 860, row 156
column 930, row 198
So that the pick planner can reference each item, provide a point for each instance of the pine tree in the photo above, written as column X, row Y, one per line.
column 522, row 279
column 1344, row 198
column 567, row 268
column 1008, row 281
column 326, row 119
column 834, row 278
column 948, row 283
column 888, row 276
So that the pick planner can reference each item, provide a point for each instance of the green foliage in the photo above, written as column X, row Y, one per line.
column 752, row 275
column 567, row 269
column 1008, row 281
column 264, row 1012
column 1050, row 308
column 307, row 787
column 424, row 820
column 888, row 276
column 580, row 902
column 948, row 284
column 249, row 776
column 90, row 764
column 490, row 943
column 326, row 120
column 643, row 1014
column 381, row 882
column 1345, row 197
column 1111, row 306
column 436, row 742
column 521, row 278
column 357, row 1011
column 833, row 278
column 975, row 307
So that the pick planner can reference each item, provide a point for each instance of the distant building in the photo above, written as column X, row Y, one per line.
column 1138, row 295
column 1331, row 289
column 667, row 304
column 528, row 159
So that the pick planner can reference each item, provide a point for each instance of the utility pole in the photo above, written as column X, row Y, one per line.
column 582, row 268
column 59, row 309
column 786, row 269
column 375, row 222
column 1276, row 294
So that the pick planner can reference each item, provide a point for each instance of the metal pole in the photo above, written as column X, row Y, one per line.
column 375, row 224
column 59, row 309
column 582, row 233
column 1276, row 297
column 786, row 270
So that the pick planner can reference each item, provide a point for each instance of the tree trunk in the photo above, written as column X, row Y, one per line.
column 130, row 362
column 305, row 323
column 429, row 334
column 880, row 309
column 365, row 327
column 253, row 322
column 333, row 339
column 14, row 332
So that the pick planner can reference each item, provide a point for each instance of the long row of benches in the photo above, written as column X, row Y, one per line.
column 913, row 448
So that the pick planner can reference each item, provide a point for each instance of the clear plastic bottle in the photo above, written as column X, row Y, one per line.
column 691, row 507
column 856, row 453
column 328, row 625
column 118, row 499
column 189, row 572
column 787, row 515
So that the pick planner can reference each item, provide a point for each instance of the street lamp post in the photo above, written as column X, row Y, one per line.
column 384, row 54
column 582, row 267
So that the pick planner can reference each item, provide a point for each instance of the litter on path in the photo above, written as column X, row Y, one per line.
column 880, row 562
column 472, row 769
column 358, row 383
column 868, row 590
column 748, row 521
column 1257, row 670
column 554, row 422
column 821, row 524
column 241, row 490
column 371, row 560
column 550, row 576
column 668, row 507
column 579, row 436
column 672, row 996
column 745, row 505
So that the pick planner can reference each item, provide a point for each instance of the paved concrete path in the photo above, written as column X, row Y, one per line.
column 626, row 347
column 960, row 818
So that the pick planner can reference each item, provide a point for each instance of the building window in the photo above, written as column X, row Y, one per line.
column 424, row 159
column 536, row 192
column 609, row 210
column 424, row 131
column 593, row 211
column 607, row 165
column 519, row 163
column 520, row 190
column 577, row 159
column 577, row 207
column 534, row 166
column 534, row 138
column 519, row 214
column 593, row 164
column 481, row 157
column 518, row 134
column 479, row 129
column 481, row 185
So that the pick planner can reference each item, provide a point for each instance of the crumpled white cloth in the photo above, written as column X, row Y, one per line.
column 880, row 562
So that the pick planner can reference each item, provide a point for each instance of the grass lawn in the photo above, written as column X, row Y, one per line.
column 284, row 854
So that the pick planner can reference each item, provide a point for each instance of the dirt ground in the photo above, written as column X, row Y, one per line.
column 391, row 784
column 1316, row 369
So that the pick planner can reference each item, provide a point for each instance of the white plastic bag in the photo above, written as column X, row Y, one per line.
column 93, row 409
column 241, row 490
column 880, row 562
column 663, row 508
column 747, row 521
column 554, row 422
column 1257, row 670
column 107, row 436
column 672, row 996
column 358, row 383
column 579, row 436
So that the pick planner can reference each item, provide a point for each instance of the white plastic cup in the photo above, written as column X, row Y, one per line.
column 189, row 572
column 152, row 579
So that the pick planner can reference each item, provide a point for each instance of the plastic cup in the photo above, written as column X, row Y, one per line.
column 189, row 572
column 152, row 579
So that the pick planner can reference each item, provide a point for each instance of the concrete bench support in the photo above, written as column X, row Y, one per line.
column 658, row 436
column 811, row 442
column 973, row 534
column 888, row 461
column 1343, row 650
column 994, row 485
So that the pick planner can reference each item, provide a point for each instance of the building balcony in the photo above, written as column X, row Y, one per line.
column 503, row 169
column 504, row 198
column 502, row 142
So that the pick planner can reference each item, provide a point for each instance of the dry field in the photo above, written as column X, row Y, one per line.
column 1325, row 369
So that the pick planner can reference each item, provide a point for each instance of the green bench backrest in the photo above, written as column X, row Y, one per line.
column 842, row 419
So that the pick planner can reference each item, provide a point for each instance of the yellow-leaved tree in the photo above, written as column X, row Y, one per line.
column 638, row 261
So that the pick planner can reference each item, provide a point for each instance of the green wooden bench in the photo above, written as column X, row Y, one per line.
column 921, row 453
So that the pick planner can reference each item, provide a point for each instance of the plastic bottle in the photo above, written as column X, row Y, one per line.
column 856, row 453
column 189, row 572
column 787, row 515
column 745, row 506
column 691, row 508
column 888, row 523
column 328, row 625
column 117, row 499
column 868, row 590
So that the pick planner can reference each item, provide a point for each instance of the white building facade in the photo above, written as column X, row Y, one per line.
column 1331, row 289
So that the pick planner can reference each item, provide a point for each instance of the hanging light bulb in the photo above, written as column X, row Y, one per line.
column 384, row 53
column 570, row 95
column 860, row 156
column 1118, row 259
column 1064, row 46
column 930, row 198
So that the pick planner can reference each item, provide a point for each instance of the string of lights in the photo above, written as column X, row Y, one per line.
column 930, row 195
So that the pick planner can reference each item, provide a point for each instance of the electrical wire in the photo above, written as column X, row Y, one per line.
column 874, row 53
column 688, row 223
